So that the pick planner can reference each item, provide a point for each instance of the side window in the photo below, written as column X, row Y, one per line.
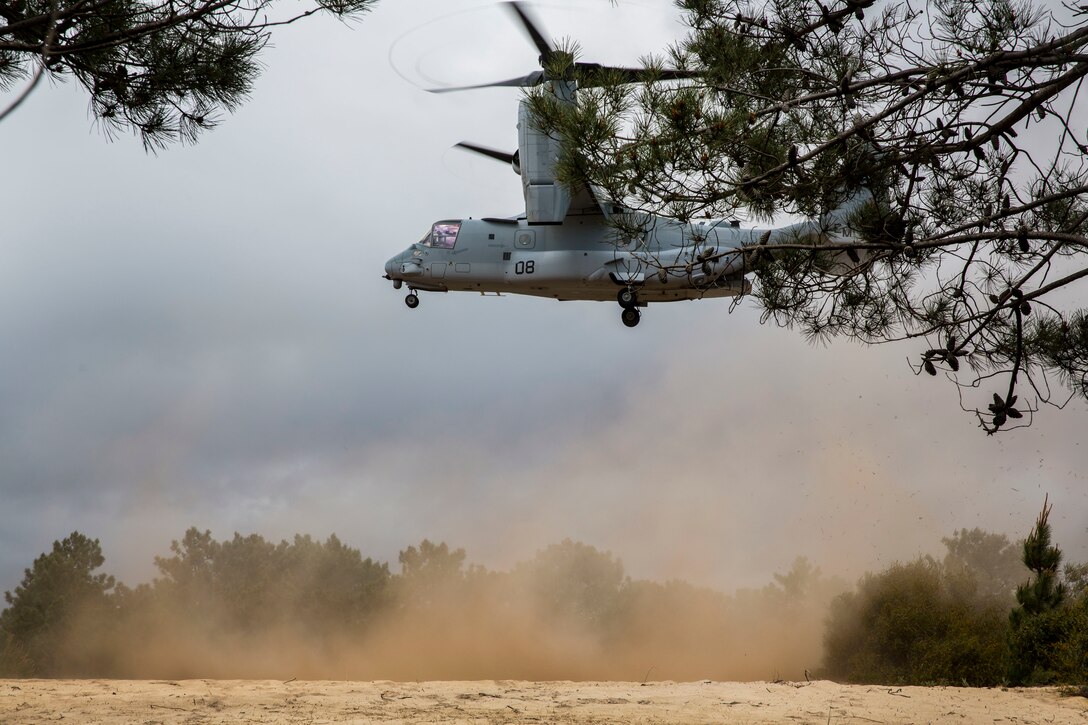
column 444, row 234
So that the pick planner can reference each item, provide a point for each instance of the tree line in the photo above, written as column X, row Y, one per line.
column 989, row 612
column 248, row 607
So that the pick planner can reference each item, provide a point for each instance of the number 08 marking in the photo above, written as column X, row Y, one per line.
column 526, row 267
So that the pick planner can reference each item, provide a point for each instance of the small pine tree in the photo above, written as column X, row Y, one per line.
column 1035, row 625
column 1045, row 591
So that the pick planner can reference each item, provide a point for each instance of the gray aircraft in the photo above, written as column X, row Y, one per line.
column 566, row 246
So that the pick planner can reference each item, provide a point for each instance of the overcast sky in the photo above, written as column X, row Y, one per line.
column 202, row 338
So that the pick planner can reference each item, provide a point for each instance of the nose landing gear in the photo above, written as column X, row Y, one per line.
column 630, row 316
column 412, row 300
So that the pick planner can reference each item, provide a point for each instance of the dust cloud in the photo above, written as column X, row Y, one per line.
column 718, row 467
column 703, row 497
column 571, row 613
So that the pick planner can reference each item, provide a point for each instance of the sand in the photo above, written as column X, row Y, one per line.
column 271, row 701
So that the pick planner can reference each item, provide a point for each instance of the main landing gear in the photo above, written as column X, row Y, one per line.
column 628, row 299
column 412, row 300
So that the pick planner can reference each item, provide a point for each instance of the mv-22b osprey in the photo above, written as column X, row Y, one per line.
column 563, row 246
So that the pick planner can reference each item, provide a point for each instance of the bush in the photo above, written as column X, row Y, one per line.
column 14, row 659
column 915, row 624
column 1071, row 654
column 1051, row 647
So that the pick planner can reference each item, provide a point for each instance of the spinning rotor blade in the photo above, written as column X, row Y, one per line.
column 629, row 75
column 485, row 151
column 531, row 29
column 587, row 74
column 533, row 79
column 671, row 75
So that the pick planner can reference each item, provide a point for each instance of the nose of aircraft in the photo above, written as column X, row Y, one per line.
column 393, row 270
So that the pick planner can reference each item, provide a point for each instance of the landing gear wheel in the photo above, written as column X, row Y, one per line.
column 412, row 301
column 627, row 297
column 630, row 316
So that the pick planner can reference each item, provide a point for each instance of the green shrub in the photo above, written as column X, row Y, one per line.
column 14, row 660
column 1035, row 647
column 915, row 624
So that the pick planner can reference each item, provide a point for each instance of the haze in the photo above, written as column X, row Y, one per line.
column 202, row 337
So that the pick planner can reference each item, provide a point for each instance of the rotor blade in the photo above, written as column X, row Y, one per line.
column 530, row 28
column 669, row 74
column 485, row 151
column 533, row 79
column 629, row 75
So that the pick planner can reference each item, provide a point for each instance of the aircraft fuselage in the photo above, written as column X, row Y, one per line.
column 578, row 259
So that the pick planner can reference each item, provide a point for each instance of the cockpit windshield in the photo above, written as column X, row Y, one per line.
column 443, row 235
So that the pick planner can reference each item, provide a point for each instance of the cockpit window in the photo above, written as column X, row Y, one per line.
column 444, row 235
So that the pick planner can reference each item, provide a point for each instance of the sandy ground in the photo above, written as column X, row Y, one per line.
column 268, row 701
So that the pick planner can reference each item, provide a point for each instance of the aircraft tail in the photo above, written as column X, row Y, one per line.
column 836, row 229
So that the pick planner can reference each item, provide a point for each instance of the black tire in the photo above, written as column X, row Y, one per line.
column 630, row 316
column 412, row 301
column 627, row 297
